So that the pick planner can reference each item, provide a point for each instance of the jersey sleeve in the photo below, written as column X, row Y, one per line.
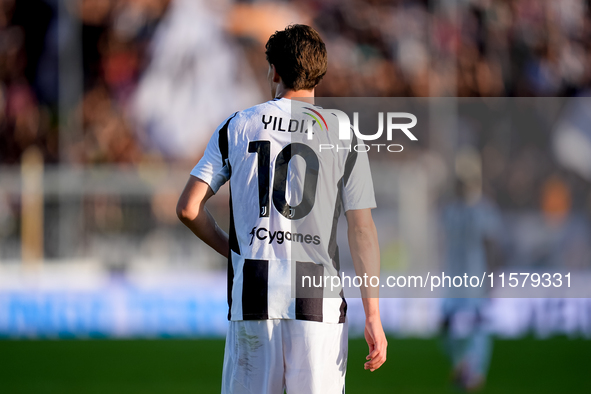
column 358, row 190
column 214, row 167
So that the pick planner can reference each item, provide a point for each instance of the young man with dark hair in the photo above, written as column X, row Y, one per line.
column 285, row 200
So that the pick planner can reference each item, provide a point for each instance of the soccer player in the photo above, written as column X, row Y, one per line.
column 472, row 231
column 285, row 199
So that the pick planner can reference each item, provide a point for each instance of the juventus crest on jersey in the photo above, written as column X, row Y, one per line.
column 286, row 196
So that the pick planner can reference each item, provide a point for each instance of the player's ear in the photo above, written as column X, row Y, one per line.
column 276, row 76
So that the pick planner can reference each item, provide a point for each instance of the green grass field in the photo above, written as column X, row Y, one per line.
column 194, row 366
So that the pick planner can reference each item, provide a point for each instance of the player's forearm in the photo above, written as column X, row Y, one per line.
column 205, row 228
column 363, row 243
column 371, row 306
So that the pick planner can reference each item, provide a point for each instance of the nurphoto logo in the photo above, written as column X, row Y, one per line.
column 345, row 126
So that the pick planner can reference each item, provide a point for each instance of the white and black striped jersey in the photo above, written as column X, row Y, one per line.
column 286, row 194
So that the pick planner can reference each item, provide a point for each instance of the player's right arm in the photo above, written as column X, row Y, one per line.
column 207, row 177
column 363, row 243
column 192, row 212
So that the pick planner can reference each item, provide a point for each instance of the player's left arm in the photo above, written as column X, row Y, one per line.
column 192, row 212
column 363, row 243
column 358, row 200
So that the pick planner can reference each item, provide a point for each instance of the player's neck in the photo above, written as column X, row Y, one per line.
column 300, row 95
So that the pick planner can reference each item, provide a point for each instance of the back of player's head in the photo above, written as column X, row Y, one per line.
column 299, row 56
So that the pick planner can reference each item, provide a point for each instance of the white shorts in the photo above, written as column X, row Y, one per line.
column 270, row 356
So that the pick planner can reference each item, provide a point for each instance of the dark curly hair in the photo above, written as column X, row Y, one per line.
column 299, row 56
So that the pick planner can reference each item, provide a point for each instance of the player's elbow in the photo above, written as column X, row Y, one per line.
column 185, row 212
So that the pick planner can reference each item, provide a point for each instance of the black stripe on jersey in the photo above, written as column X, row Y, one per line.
column 255, row 279
column 234, row 246
column 351, row 160
column 223, row 139
column 223, row 146
column 308, row 303
column 333, row 247
column 230, row 284
column 343, row 307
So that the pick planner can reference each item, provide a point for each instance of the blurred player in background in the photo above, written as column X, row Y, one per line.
column 471, row 227
column 277, row 341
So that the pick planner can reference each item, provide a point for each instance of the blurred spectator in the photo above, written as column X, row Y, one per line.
column 195, row 77
column 472, row 231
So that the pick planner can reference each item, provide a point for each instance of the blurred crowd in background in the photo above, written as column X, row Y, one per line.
column 157, row 76
column 115, row 36
column 409, row 48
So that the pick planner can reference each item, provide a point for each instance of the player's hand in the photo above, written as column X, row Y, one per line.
column 376, row 340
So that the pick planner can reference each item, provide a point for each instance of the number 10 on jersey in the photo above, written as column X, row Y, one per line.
column 263, row 151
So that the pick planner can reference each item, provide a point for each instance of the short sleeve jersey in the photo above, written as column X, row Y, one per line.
column 287, row 191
